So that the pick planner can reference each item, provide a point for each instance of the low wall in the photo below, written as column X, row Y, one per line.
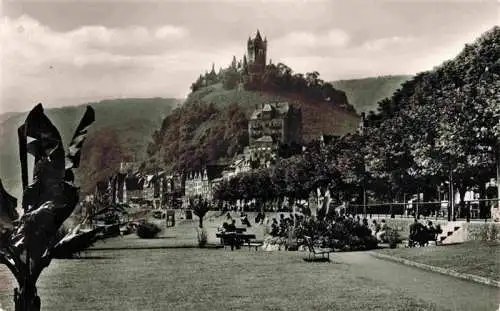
column 482, row 231
column 476, row 230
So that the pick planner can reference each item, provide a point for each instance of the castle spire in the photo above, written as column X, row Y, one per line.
column 258, row 37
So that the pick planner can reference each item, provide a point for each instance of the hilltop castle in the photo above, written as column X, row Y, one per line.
column 250, row 69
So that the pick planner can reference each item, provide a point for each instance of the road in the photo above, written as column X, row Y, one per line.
column 445, row 291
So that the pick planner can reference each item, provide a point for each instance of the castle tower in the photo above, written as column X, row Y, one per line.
column 257, row 53
column 234, row 63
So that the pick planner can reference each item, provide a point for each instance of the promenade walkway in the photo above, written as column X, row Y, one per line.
column 445, row 291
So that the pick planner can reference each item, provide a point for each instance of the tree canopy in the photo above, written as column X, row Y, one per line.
column 441, row 122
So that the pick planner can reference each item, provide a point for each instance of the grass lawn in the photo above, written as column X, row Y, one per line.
column 474, row 257
column 128, row 273
column 198, row 279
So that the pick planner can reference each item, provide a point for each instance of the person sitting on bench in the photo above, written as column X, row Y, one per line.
column 274, row 228
column 260, row 218
column 232, row 226
column 224, row 226
column 245, row 221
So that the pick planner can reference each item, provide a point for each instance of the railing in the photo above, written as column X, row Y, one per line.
column 437, row 209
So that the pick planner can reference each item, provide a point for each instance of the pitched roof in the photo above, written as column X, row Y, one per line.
column 265, row 139
column 258, row 36
column 267, row 107
column 255, row 114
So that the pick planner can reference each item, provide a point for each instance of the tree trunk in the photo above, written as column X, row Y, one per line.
column 482, row 204
column 428, row 208
column 498, row 178
column 417, row 206
column 462, row 191
column 451, row 199
column 200, row 219
column 26, row 299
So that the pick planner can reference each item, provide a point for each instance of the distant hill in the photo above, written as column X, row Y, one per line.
column 363, row 94
column 121, row 131
column 212, row 125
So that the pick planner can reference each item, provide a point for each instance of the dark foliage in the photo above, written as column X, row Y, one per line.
column 196, row 135
column 445, row 120
column 147, row 230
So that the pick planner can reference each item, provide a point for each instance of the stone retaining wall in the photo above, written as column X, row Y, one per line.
column 477, row 230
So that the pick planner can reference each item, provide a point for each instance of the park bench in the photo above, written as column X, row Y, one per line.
column 314, row 251
column 237, row 239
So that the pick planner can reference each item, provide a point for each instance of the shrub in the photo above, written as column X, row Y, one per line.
column 147, row 231
column 202, row 238
column 370, row 242
column 484, row 232
column 393, row 237
column 493, row 232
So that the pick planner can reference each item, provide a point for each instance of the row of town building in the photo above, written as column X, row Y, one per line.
column 271, row 125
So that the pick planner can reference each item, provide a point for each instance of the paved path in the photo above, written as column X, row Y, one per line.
column 447, row 292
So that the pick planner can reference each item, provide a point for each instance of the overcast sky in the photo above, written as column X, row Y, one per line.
column 68, row 52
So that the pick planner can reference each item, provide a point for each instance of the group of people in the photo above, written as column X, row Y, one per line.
column 379, row 230
column 421, row 234
column 230, row 223
column 285, row 224
column 342, row 225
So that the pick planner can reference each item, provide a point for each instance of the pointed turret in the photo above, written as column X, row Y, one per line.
column 258, row 36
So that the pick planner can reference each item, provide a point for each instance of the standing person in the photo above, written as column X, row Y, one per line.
column 382, row 231
column 431, row 231
column 375, row 227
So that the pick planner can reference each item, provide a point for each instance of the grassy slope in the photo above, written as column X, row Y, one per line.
column 474, row 257
column 318, row 117
column 134, row 119
column 364, row 94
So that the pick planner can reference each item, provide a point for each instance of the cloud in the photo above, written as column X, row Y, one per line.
column 40, row 63
column 40, row 44
column 331, row 38
column 384, row 43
